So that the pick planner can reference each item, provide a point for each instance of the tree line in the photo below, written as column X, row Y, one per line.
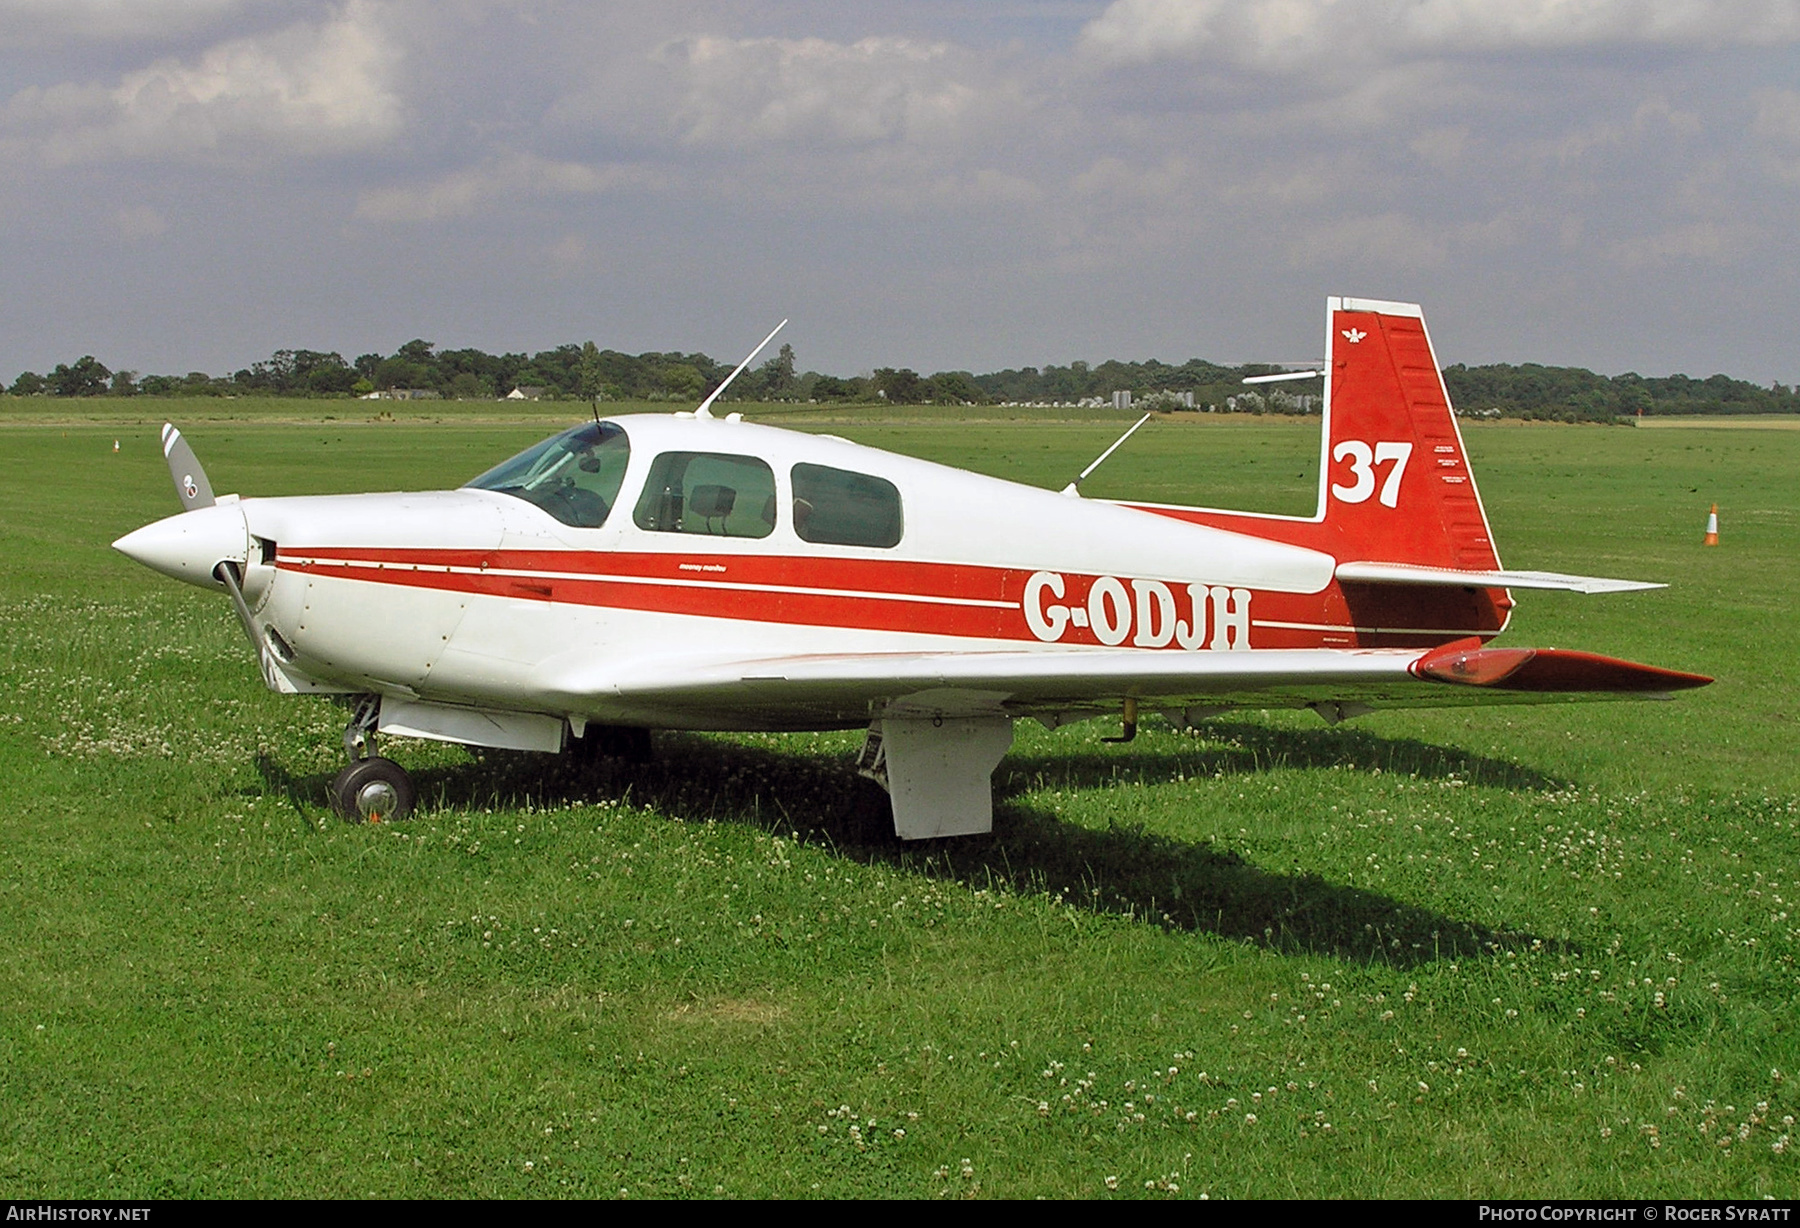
column 586, row 372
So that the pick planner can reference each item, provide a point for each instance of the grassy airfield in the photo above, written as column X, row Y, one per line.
column 1505, row 953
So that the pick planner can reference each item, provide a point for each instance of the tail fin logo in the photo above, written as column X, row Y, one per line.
column 1354, row 335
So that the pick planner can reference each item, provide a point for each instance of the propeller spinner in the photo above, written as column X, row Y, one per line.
column 207, row 544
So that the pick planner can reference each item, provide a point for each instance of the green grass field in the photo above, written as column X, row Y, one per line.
column 1525, row 952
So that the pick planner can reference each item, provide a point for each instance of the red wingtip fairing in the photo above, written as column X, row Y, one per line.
column 1549, row 670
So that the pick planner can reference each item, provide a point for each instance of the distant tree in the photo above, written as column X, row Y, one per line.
column 592, row 373
column 899, row 387
column 777, row 374
column 957, row 388
column 297, row 373
column 1113, row 375
column 29, row 384
column 331, row 378
column 558, row 370
column 399, row 372
column 531, row 377
column 124, row 383
column 829, row 388
column 87, row 377
column 682, row 380
column 486, row 370
column 467, row 386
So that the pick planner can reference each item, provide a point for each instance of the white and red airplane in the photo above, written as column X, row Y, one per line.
column 689, row 572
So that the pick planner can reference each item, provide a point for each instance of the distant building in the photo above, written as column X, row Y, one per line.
column 1122, row 399
column 524, row 393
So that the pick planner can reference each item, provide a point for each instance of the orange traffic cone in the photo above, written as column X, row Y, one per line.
column 1712, row 527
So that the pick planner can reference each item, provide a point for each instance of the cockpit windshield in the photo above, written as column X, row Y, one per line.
column 575, row 476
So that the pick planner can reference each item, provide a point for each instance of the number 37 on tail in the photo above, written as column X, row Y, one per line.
column 692, row 572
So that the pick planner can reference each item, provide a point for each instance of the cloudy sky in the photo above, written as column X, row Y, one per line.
column 190, row 184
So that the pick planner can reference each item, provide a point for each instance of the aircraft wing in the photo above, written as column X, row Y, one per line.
column 810, row 691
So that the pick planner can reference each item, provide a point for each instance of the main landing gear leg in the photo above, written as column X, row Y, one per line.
column 938, row 772
column 371, row 789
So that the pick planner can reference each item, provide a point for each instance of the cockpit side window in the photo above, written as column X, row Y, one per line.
column 575, row 476
column 836, row 507
column 713, row 494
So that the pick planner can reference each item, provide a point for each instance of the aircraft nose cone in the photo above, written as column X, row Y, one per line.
column 188, row 546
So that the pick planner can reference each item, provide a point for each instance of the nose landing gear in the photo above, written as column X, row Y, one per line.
column 371, row 789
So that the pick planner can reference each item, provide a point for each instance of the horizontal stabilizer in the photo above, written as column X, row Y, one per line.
column 1451, row 577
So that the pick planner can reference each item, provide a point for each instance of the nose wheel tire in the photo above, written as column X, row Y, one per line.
column 373, row 790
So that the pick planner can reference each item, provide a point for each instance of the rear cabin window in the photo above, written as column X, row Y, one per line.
column 711, row 494
column 835, row 507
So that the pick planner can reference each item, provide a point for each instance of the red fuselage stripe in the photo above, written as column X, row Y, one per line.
column 963, row 601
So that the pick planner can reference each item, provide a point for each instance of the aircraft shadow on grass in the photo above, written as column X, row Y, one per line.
column 1122, row 870
column 1236, row 747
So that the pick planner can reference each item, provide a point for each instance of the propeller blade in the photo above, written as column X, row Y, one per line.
column 191, row 486
column 227, row 573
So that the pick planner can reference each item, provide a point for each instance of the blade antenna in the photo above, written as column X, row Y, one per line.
column 1073, row 489
column 705, row 410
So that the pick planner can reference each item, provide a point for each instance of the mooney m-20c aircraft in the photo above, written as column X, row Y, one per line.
column 690, row 572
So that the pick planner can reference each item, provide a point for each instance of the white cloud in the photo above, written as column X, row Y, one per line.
column 717, row 91
column 303, row 89
column 1543, row 24
column 1278, row 35
column 53, row 23
column 888, row 125
column 139, row 222
column 1706, row 243
column 1399, row 242
column 1777, row 130
column 1441, row 148
column 477, row 189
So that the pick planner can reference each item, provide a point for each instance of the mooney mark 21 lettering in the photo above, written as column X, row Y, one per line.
column 689, row 572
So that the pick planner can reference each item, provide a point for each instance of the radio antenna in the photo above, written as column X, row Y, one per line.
column 705, row 410
column 1073, row 489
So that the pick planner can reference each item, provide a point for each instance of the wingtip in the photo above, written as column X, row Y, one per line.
column 1551, row 670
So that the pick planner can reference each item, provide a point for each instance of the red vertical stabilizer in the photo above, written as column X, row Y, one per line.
column 1395, row 480
column 1398, row 508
